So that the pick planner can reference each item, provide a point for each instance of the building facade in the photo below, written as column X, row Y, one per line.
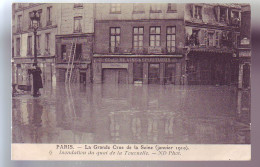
column 245, row 49
column 23, row 41
column 212, row 35
column 133, row 43
column 76, row 37
column 138, row 43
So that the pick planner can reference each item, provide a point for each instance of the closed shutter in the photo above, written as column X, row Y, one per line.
column 202, row 37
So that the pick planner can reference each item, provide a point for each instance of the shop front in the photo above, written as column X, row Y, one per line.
column 209, row 68
column 141, row 69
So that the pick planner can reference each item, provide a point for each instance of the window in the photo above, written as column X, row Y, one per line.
column 63, row 52
column 38, row 42
column 115, row 8
column 155, row 36
column 19, row 23
column 78, row 52
column 29, row 45
column 138, row 38
column 170, row 36
column 155, row 8
column 47, row 42
column 217, row 39
column 78, row 5
column 223, row 14
column 18, row 44
column 198, row 12
column 40, row 15
column 194, row 38
column 49, row 13
column 114, row 39
column 210, row 39
column 172, row 7
column 138, row 8
column 205, row 42
column 77, row 24
column 20, row 5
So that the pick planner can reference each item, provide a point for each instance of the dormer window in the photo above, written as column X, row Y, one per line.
column 198, row 12
column 223, row 14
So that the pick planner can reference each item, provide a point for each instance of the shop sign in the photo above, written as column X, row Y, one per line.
column 134, row 60
column 245, row 53
column 114, row 65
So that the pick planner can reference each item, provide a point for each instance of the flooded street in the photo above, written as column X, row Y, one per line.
column 165, row 114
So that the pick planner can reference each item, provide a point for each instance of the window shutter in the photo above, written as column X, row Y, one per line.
column 191, row 10
column 202, row 37
column 216, row 13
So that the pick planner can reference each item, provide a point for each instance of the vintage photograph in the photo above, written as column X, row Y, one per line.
column 131, row 73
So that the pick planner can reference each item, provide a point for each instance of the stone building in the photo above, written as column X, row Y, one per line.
column 245, row 48
column 75, row 35
column 212, row 35
column 139, row 43
column 166, row 43
column 23, row 41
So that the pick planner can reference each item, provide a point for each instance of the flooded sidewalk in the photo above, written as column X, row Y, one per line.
column 164, row 114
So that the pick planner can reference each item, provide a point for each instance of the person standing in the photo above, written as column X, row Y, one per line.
column 37, row 80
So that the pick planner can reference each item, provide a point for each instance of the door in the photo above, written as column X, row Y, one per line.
column 115, row 76
column 154, row 74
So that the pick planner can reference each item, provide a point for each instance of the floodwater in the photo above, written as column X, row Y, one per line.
column 129, row 114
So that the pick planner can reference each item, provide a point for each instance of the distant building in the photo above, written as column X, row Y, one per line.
column 166, row 43
column 76, row 37
column 245, row 48
column 24, row 41
column 212, row 35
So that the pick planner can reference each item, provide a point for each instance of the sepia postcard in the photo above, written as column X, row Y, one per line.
column 131, row 81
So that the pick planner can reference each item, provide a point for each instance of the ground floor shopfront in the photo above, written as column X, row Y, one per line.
column 211, row 68
column 141, row 69
column 21, row 65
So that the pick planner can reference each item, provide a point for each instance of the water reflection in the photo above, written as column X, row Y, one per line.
column 133, row 114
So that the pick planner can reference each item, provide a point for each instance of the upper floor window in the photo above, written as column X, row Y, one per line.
column 18, row 45
column 20, row 5
column 138, row 38
column 155, row 8
column 198, row 12
column 223, row 14
column 19, row 23
column 217, row 39
column 114, row 39
column 29, row 45
column 155, row 36
column 115, row 8
column 47, row 42
column 38, row 42
column 78, row 24
column 211, row 39
column 139, row 8
column 170, row 36
column 49, row 15
column 172, row 7
column 78, row 5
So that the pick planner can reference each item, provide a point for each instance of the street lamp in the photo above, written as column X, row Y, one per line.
column 37, row 80
column 35, row 21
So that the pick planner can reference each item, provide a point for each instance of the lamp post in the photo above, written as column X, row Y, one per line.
column 37, row 80
column 35, row 20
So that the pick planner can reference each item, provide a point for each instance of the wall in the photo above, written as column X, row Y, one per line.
column 103, row 28
column 103, row 12
column 68, row 12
